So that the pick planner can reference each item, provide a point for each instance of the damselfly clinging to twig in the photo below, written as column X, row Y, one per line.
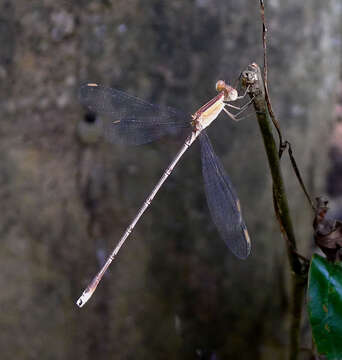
column 135, row 121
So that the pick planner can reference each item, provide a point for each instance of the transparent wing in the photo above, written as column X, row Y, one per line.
column 130, row 119
column 223, row 203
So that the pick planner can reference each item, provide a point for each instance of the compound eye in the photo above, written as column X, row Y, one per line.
column 220, row 86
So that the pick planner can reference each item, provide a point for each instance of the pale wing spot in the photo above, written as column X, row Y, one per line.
column 92, row 84
column 248, row 239
column 238, row 205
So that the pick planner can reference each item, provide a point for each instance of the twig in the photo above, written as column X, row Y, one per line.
column 253, row 79
column 298, row 291
column 265, row 72
column 282, row 144
column 299, row 177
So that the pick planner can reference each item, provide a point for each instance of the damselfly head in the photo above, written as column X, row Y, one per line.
column 230, row 94
column 220, row 86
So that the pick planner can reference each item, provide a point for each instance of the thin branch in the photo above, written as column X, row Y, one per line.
column 282, row 144
column 265, row 72
column 298, row 175
column 298, row 291
column 252, row 79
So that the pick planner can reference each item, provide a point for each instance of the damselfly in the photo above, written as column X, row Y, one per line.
column 135, row 121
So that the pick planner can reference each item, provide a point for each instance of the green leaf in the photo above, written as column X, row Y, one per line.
column 325, row 306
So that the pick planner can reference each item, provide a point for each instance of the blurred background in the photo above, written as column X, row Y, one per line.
column 175, row 291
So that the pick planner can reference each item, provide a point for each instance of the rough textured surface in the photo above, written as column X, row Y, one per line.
column 175, row 291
